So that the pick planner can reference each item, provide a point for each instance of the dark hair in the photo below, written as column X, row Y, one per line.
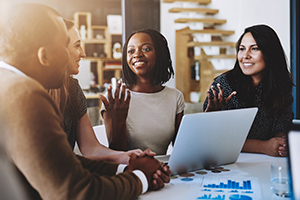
column 277, row 80
column 163, row 66
column 27, row 26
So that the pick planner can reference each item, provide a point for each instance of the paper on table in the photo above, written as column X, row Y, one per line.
column 227, row 185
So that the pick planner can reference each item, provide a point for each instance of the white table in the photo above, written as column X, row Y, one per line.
column 255, row 165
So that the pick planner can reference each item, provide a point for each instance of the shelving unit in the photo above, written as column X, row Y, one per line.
column 98, row 47
column 192, row 43
column 202, row 2
column 197, row 10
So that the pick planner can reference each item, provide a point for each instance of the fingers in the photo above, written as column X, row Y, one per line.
column 282, row 149
column 164, row 176
column 221, row 93
column 148, row 152
column 123, row 91
column 160, row 177
column 104, row 100
column 132, row 156
column 209, row 103
column 109, row 93
column 167, row 171
column 215, row 99
column 138, row 152
column 230, row 96
column 157, row 181
column 117, row 91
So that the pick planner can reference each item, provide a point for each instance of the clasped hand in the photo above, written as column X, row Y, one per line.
column 156, row 173
column 216, row 102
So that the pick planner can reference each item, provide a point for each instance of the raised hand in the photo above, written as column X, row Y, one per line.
column 216, row 102
column 116, row 105
column 115, row 116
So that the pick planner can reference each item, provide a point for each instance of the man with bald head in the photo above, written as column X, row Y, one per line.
column 34, row 53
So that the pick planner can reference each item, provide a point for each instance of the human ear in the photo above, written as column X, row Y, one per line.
column 42, row 56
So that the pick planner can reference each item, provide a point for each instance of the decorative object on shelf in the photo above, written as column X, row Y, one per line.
column 99, row 37
column 114, row 24
column 97, row 43
column 95, row 54
column 82, row 32
column 117, row 51
column 84, row 18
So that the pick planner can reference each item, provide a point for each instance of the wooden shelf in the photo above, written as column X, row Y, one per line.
column 208, row 31
column 220, row 56
column 213, row 43
column 201, row 20
column 94, row 41
column 112, row 68
column 197, row 10
column 202, row 2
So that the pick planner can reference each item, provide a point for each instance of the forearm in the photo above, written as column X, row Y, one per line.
column 116, row 133
column 253, row 146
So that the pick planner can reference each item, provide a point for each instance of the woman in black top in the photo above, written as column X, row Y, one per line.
column 260, row 78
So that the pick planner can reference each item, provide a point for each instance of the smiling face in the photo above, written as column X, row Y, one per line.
column 141, row 57
column 76, row 51
column 251, row 59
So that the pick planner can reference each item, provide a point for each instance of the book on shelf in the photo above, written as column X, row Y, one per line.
column 113, row 65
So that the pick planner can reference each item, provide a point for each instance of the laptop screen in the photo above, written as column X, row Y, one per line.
column 294, row 159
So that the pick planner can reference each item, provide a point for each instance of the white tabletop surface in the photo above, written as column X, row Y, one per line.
column 254, row 165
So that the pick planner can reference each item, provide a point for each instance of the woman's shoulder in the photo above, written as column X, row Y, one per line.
column 172, row 90
column 221, row 78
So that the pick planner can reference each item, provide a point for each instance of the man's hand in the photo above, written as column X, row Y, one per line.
column 156, row 174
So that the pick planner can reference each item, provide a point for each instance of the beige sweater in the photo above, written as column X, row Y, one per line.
column 36, row 143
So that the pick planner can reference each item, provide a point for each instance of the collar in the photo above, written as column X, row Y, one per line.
column 11, row 68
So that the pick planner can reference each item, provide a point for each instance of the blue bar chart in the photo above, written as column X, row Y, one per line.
column 225, row 188
column 231, row 184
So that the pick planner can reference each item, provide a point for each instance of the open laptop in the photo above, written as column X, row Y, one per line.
column 293, row 141
column 209, row 139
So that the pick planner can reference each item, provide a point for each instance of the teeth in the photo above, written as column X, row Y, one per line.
column 248, row 64
column 139, row 63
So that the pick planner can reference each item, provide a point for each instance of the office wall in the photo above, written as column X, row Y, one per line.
column 239, row 14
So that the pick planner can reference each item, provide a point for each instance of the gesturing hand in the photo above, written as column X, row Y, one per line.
column 216, row 102
column 116, row 105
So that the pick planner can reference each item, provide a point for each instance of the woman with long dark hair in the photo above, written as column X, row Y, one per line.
column 260, row 78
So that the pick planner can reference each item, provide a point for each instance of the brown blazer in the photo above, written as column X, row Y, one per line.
column 37, row 145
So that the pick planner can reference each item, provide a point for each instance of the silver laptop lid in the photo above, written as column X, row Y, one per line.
column 210, row 139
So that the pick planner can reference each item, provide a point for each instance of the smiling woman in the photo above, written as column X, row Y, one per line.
column 73, row 106
column 260, row 78
column 150, row 115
